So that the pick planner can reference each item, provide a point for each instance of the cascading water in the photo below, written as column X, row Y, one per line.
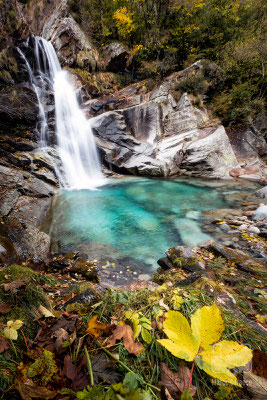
column 75, row 140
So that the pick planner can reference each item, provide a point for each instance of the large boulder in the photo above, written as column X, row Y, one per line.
column 115, row 57
column 158, row 137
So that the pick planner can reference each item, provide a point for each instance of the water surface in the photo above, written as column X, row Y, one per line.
column 137, row 218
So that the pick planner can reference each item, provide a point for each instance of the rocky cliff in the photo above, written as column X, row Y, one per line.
column 149, row 128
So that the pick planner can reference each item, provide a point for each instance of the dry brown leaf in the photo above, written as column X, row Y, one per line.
column 45, row 312
column 5, row 308
column 13, row 286
column 4, row 344
column 28, row 392
column 61, row 336
column 125, row 332
column 163, row 305
column 176, row 382
column 94, row 327
column 259, row 363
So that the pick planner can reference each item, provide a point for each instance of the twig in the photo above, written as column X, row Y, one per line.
column 25, row 340
column 191, row 375
column 89, row 366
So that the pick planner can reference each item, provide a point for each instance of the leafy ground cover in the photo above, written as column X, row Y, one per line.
column 136, row 342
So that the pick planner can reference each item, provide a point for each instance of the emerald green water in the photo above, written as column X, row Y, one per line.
column 135, row 217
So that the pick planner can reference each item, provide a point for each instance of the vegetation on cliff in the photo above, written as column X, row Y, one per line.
column 168, row 35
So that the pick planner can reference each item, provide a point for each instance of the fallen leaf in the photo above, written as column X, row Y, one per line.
column 94, row 327
column 61, row 335
column 125, row 332
column 28, row 392
column 4, row 344
column 10, row 331
column 259, row 363
column 13, row 286
column 103, row 371
column 163, row 305
column 45, row 312
column 256, row 385
column 74, row 372
column 176, row 382
column 5, row 308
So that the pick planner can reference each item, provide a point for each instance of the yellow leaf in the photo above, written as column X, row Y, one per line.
column 45, row 312
column 181, row 342
column 136, row 326
column 94, row 327
column 10, row 333
column 207, row 325
column 17, row 324
column 217, row 371
column 146, row 336
column 228, row 353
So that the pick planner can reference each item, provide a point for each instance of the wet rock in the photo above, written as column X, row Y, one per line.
column 87, row 297
column 18, row 104
column 225, row 227
column 189, row 280
column 165, row 263
column 87, row 269
column 183, row 257
column 262, row 193
column 46, row 175
column 242, row 259
column 24, row 182
column 261, row 212
column 116, row 56
column 8, row 198
column 29, row 241
column 72, row 46
column 253, row 229
column 242, row 226
column 60, row 262
column 30, row 210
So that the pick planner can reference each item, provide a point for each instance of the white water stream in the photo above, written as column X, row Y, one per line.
column 75, row 140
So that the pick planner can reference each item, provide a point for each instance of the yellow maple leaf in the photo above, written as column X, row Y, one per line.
column 207, row 325
column 181, row 342
column 199, row 343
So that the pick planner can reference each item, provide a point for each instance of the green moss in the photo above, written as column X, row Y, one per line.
column 15, row 272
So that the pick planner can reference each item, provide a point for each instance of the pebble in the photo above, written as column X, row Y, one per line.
column 242, row 227
column 225, row 227
column 243, row 218
column 253, row 229
column 261, row 212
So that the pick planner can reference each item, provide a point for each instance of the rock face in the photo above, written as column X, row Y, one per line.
column 163, row 136
column 115, row 57
column 24, row 203
column 72, row 46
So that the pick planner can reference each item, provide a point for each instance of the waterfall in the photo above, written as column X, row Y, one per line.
column 75, row 140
